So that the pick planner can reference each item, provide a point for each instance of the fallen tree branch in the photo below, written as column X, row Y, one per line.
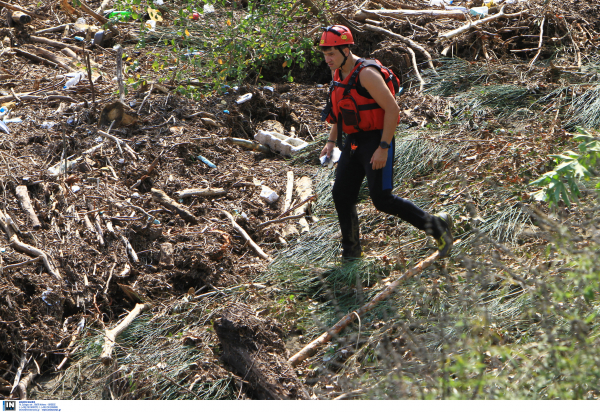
column 120, row 143
column 57, row 44
column 311, row 348
column 23, row 196
column 477, row 23
column 403, row 39
column 211, row 191
column 20, row 264
column 112, row 334
column 129, row 249
column 413, row 59
column 161, row 197
column 16, row 244
column 436, row 14
column 17, row 8
column 247, row 237
column 283, row 219
column 309, row 199
column 539, row 43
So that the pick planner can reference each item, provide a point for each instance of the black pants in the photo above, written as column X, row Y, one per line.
column 353, row 166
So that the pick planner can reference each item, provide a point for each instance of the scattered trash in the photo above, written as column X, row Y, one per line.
column 48, row 125
column 45, row 295
column 60, row 167
column 3, row 112
column 150, row 25
column 98, row 38
column 226, row 111
column 13, row 120
column 193, row 54
column 159, row 2
column 78, row 38
column 327, row 161
column 206, row 162
column 195, row 16
column 280, row 143
column 4, row 128
column 235, row 88
column 75, row 188
column 120, row 15
column 269, row 88
column 81, row 20
column 268, row 195
column 74, row 79
column 479, row 11
column 209, row 8
column 440, row 3
column 244, row 98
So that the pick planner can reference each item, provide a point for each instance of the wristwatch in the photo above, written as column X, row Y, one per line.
column 384, row 145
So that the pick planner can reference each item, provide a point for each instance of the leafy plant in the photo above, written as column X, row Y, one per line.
column 561, row 182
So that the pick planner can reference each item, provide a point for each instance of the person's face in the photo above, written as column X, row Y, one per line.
column 333, row 58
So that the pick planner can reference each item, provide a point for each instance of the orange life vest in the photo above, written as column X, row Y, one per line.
column 354, row 111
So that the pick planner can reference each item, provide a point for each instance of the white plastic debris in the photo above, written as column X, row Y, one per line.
column 244, row 98
column 3, row 112
column 45, row 295
column 150, row 25
column 74, row 78
column 4, row 128
column 159, row 2
column 479, row 11
column 60, row 167
column 329, row 161
column 48, row 125
column 439, row 3
column 14, row 120
column 209, row 8
column 280, row 143
column 268, row 195
column 75, row 188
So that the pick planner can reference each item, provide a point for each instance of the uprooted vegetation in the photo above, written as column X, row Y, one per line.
column 511, row 314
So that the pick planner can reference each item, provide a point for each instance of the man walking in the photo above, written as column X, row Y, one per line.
column 362, row 104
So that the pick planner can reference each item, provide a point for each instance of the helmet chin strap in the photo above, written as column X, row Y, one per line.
column 345, row 57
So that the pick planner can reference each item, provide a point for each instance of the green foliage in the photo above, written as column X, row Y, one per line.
column 229, row 44
column 561, row 182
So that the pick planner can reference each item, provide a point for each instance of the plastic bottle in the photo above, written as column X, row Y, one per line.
column 479, row 11
column 121, row 15
column 209, row 8
column 73, row 80
column 3, row 112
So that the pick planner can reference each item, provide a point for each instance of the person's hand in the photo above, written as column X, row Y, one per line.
column 379, row 158
column 328, row 149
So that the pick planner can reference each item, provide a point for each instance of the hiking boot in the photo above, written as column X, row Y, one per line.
column 445, row 241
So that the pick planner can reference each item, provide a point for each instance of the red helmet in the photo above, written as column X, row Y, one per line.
column 336, row 36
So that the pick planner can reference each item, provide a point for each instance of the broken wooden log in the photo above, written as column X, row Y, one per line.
column 362, row 15
column 161, row 197
column 57, row 44
column 18, row 17
column 477, row 23
column 304, row 191
column 16, row 8
column 312, row 347
column 112, row 334
column 247, row 237
column 253, row 347
column 21, row 264
column 15, row 243
column 210, row 191
column 60, row 61
column 23, row 196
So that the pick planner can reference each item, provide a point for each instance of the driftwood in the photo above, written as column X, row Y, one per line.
column 405, row 40
column 304, row 191
column 21, row 264
column 129, row 249
column 311, row 348
column 34, row 58
column 16, row 8
column 248, row 144
column 57, row 44
column 68, row 351
column 161, row 197
column 24, row 384
column 16, row 244
column 283, row 219
column 112, row 334
column 211, row 191
column 436, row 14
column 119, row 51
column 120, row 143
column 23, row 196
column 60, row 61
column 247, row 237
column 413, row 59
column 477, row 23
column 289, row 187
column 51, row 29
